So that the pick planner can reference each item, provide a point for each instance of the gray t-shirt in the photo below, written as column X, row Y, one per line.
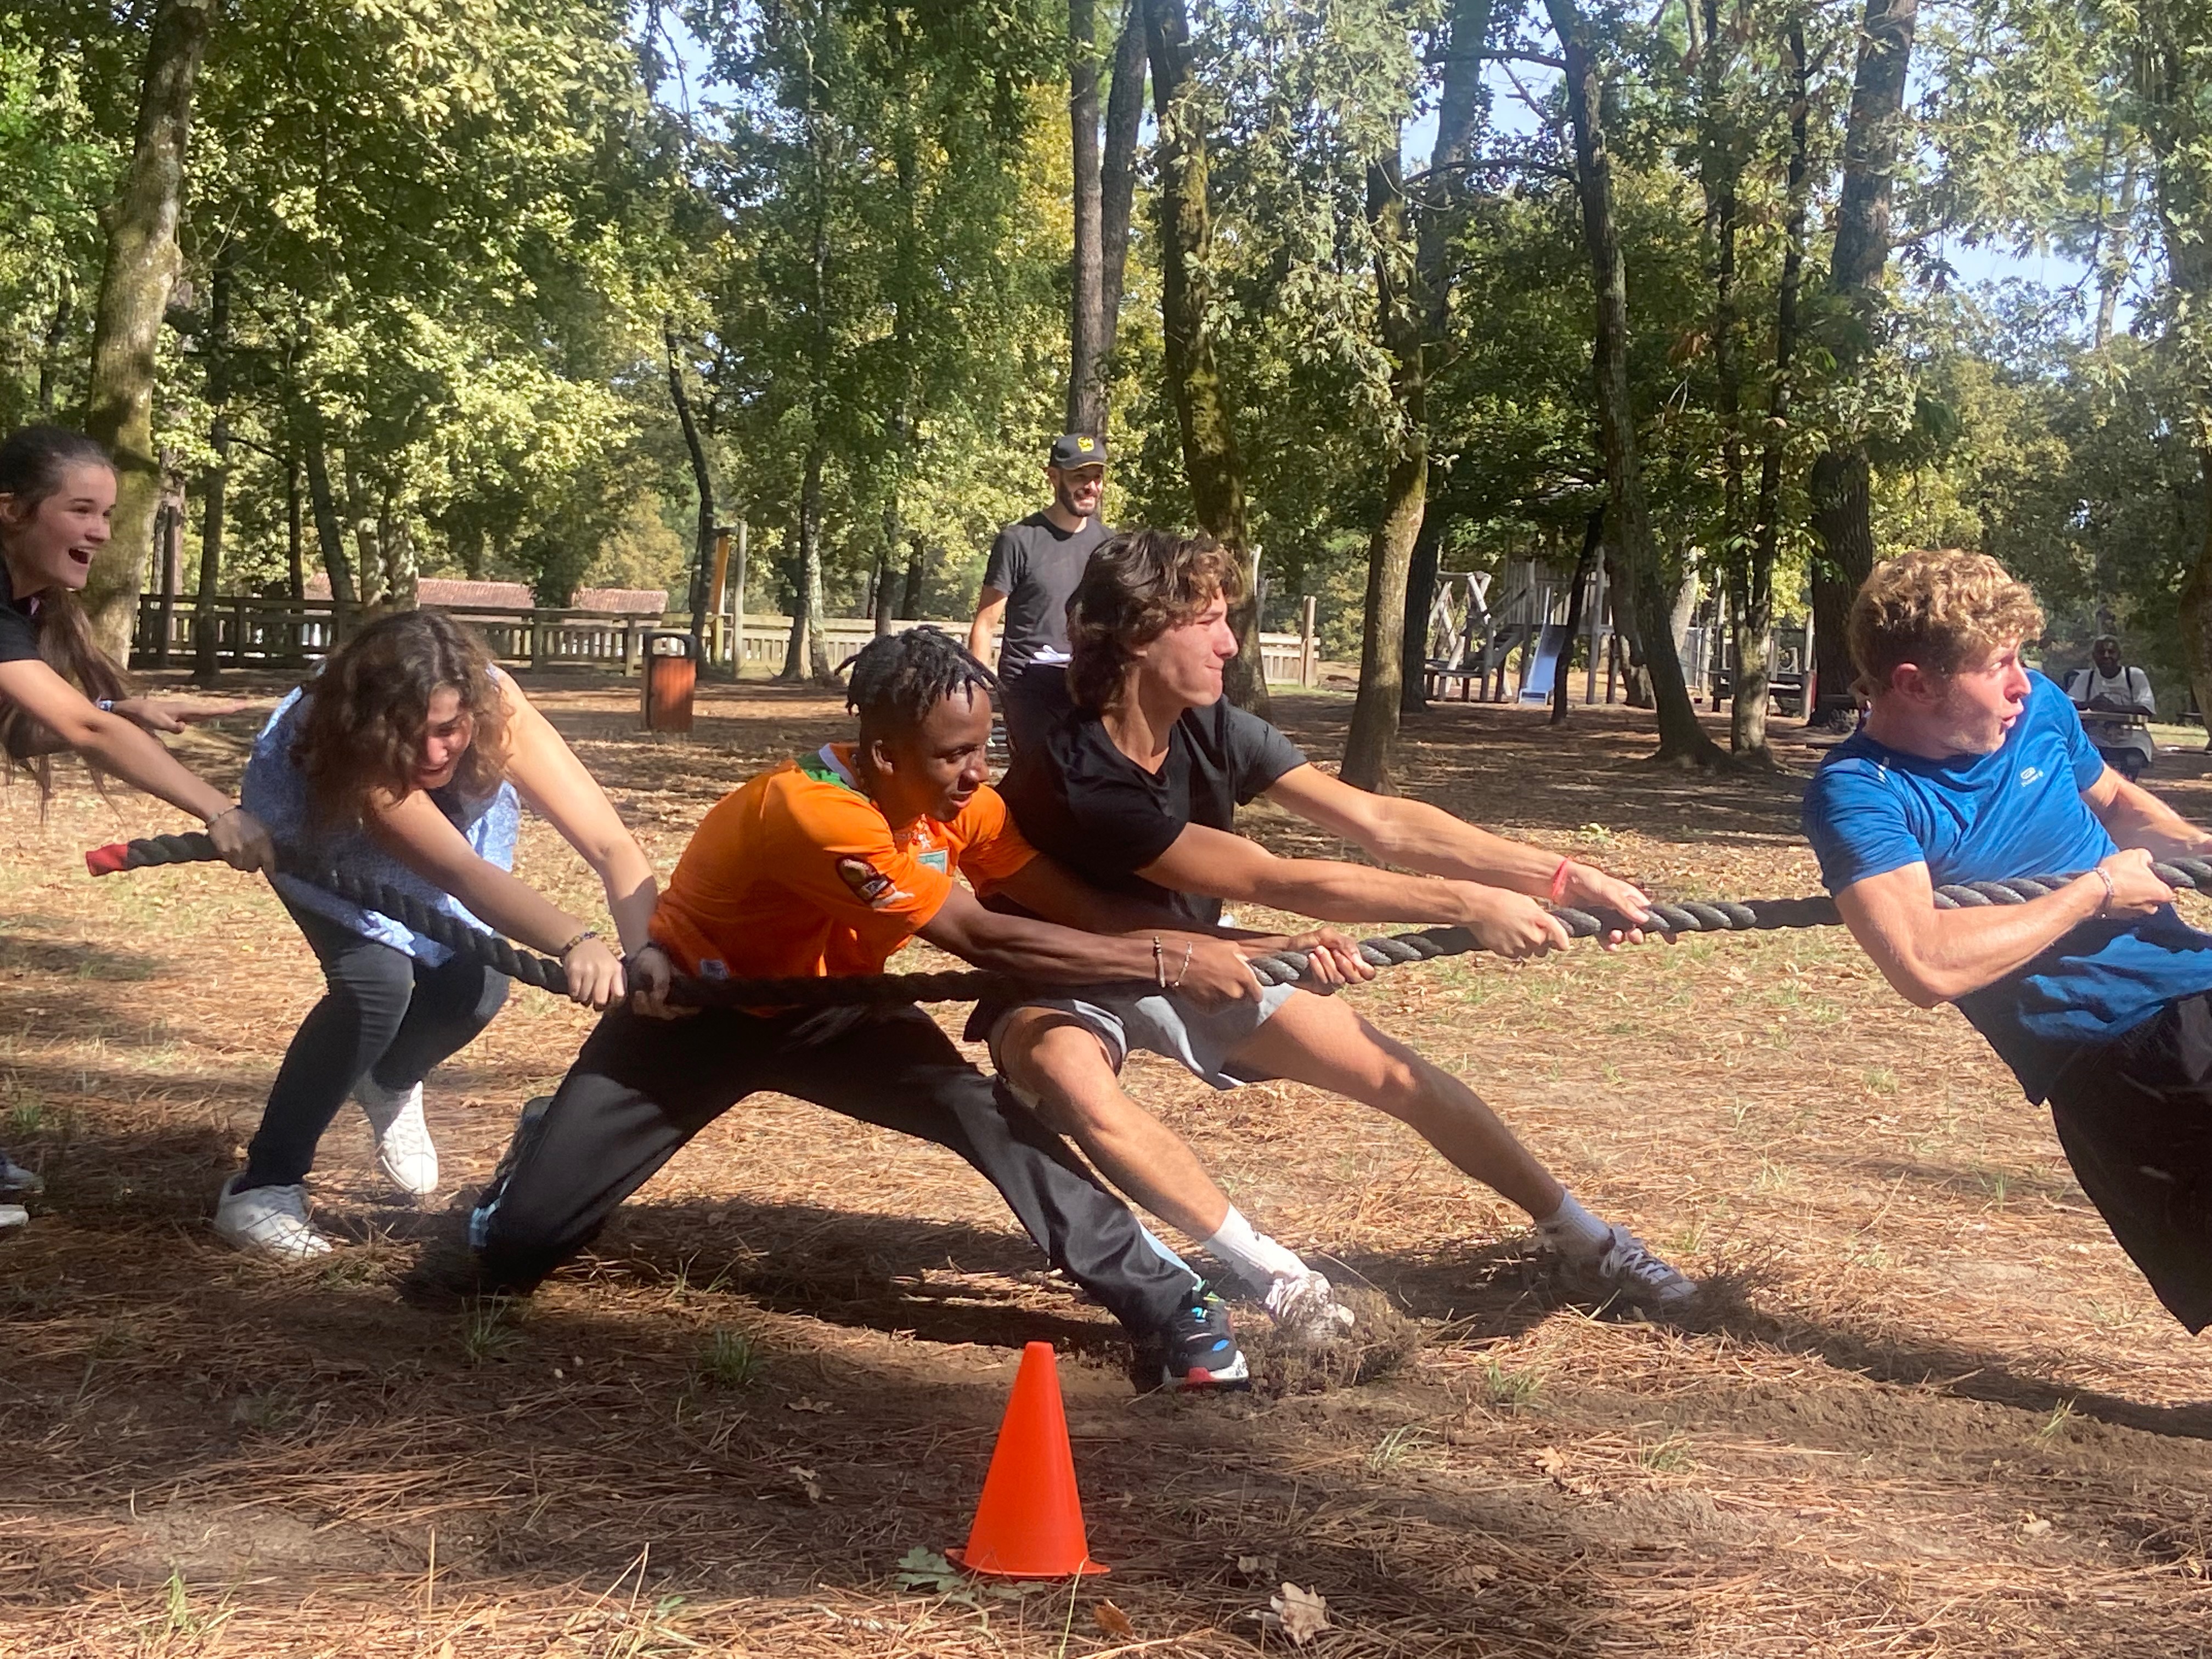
column 1036, row 565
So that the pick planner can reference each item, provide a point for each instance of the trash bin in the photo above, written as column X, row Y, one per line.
column 671, row 674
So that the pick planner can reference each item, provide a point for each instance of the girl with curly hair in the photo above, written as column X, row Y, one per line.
column 407, row 761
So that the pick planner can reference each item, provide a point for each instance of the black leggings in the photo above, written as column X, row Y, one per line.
column 386, row 1016
column 642, row 1087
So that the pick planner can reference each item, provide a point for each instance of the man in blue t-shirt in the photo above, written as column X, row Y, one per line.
column 1969, row 767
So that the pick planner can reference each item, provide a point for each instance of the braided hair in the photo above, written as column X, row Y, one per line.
column 897, row 679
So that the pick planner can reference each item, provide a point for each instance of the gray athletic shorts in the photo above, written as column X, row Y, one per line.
column 1162, row 1023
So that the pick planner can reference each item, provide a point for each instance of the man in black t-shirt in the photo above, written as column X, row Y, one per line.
column 1136, row 789
column 1034, row 566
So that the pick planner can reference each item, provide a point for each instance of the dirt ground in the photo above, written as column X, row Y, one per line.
column 1930, row 1409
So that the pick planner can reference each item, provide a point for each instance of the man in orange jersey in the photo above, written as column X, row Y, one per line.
column 829, row 865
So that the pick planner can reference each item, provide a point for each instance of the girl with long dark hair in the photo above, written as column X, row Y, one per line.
column 57, row 688
column 406, row 760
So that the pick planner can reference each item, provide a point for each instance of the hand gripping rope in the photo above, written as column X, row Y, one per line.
column 1384, row 951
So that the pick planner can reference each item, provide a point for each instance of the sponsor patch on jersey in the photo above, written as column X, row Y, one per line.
column 938, row 858
column 870, row 886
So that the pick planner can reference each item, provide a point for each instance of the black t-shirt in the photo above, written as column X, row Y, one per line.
column 19, row 633
column 1077, row 797
column 1036, row 565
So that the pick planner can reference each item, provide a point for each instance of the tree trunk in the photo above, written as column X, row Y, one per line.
column 1840, row 487
column 140, row 269
column 880, row 606
column 1211, row 461
column 1720, row 164
column 215, row 489
column 1460, row 106
column 1754, row 636
column 57, row 343
column 2112, row 264
column 1420, row 601
column 808, row 655
column 1086, row 322
column 295, row 571
column 702, row 478
column 328, row 531
column 1586, row 569
column 1680, row 737
column 1117, row 189
column 2173, row 92
column 1370, row 746
column 917, row 572
column 169, row 558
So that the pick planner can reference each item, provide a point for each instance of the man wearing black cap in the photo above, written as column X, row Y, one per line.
column 1034, row 566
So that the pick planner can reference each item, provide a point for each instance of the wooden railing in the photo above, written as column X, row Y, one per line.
column 261, row 633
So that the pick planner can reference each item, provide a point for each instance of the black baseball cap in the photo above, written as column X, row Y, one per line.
column 1074, row 449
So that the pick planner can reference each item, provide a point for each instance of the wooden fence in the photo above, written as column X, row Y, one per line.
column 280, row 633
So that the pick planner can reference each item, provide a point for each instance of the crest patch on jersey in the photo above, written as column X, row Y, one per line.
column 870, row 886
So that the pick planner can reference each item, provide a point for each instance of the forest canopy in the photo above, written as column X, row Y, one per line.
column 546, row 290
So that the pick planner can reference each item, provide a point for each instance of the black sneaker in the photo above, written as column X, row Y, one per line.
column 1201, row 1348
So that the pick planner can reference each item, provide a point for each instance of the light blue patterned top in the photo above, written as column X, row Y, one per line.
column 276, row 792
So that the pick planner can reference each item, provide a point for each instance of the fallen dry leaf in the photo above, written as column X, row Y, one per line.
column 2034, row 1527
column 1256, row 1566
column 802, row 1404
column 1115, row 1622
column 1554, row 1462
column 1300, row 1615
column 807, row 1484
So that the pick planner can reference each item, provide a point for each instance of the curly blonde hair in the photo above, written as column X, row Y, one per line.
column 362, row 726
column 1137, row 586
column 1943, row 609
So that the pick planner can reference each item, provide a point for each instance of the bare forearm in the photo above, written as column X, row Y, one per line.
column 1329, row 890
column 632, row 892
column 1041, row 950
column 2136, row 817
column 139, row 760
column 1952, row 953
column 1426, row 838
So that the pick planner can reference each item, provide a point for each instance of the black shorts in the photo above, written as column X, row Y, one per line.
column 2134, row 1116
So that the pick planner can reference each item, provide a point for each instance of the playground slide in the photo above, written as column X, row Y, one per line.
column 1544, row 672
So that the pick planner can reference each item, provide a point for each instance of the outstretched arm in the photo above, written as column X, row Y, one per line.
column 2134, row 816
column 1400, row 830
column 1933, row 956
column 553, row 782
column 1049, row 890
column 113, row 741
column 1214, row 974
column 420, row 837
column 1229, row 866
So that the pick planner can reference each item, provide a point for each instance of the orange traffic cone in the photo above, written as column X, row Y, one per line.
column 1029, row 1523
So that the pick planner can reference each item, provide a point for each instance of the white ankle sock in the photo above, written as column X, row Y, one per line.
column 1573, row 1229
column 1258, row 1257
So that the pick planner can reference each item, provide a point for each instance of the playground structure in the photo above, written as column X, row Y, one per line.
column 1485, row 627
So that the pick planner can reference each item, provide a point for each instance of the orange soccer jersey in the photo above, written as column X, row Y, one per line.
column 798, row 874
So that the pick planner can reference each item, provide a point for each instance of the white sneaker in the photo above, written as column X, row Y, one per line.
column 1625, row 1266
column 14, row 1215
column 403, row 1151
column 1305, row 1307
column 15, row 1178
column 270, row 1221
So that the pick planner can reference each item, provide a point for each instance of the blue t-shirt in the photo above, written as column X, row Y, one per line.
column 2017, row 811
column 275, row 791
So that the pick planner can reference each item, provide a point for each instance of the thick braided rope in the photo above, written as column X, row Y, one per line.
column 968, row 985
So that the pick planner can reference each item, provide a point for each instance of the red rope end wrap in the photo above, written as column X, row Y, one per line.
column 111, row 860
column 1559, row 880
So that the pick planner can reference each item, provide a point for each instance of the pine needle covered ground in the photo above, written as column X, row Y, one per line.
column 1929, row 1409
